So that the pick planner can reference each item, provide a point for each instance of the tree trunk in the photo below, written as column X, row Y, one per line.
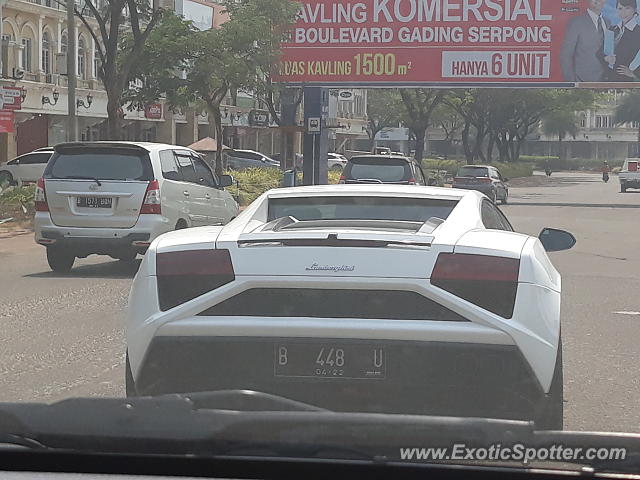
column 465, row 142
column 491, row 144
column 639, row 141
column 420, row 136
column 561, row 155
column 215, row 117
column 113, row 121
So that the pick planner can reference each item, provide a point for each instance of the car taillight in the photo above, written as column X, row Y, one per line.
column 342, row 179
column 41, row 204
column 457, row 179
column 411, row 181
column 151, row 203
column 486, row 281
column 187, row 274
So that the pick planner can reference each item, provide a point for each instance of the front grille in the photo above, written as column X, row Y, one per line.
column 328, row 303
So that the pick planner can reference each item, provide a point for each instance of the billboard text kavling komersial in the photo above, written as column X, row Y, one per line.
column 464, row 43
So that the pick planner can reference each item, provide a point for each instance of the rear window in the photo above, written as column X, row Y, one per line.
column 473, row 172
column 100, row 164
column 632, row 166
column 383, row 169
column 361, row 208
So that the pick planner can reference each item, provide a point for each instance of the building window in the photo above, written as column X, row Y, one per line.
column 603, row 121
column 46, row 53
column 96, row 62
column 27, row 55
column 583, row 122
column 82, row 71
column 63, row 43
column 635, row 125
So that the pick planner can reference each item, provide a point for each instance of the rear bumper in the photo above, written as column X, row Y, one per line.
column 486, row 189
column 434, row 378
column 86, row 241
column 630, row 182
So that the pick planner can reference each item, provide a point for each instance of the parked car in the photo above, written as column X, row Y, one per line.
column 115, row 198
column 336, row 161
column 485, row 179
column 446, row 303
column 241, row 159
column 25, row 168
column 393, row 169
column 629, row 176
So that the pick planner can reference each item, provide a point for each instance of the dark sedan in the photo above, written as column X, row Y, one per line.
column 485, row 179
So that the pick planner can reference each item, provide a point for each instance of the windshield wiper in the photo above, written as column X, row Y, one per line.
column 81, row 177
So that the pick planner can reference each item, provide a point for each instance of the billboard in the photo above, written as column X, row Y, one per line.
column 464, row 43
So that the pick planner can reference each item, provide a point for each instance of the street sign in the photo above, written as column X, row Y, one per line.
column 313, row 125
column 11, row 98
column 345, row 95
column 259, row 118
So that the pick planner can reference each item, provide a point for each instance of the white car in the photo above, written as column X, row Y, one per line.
column 115, row 198
column 336, row 161
column 398, row 299
column 25, row 168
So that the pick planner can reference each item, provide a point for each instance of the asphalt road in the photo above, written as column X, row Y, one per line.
column 62, row 335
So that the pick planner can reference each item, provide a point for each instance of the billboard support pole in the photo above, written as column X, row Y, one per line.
column 316, row 137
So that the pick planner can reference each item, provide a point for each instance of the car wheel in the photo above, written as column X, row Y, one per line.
column 551, row 414
column 129, row 384
column 6, row 178
column 60, row 260
column 336, row 168
column 623, row 189
column 181, row 224
column 506, row 198
column 128, row 256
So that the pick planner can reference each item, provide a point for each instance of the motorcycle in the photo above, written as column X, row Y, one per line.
column 605, row 177
column 547, row 171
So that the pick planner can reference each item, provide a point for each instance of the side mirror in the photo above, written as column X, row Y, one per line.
column 554, row 240
column 225, row 181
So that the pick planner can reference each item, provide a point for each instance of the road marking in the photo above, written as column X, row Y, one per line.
column 628, row 313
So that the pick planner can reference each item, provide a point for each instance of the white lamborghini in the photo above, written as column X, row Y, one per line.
column 395, row 299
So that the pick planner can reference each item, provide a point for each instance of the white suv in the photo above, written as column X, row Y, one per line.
column 114, row 198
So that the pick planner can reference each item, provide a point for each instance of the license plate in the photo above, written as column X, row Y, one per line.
column 331, row 360
column 94, row 202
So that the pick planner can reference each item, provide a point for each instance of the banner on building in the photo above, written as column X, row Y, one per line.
column 153, row 111
column 450, row 43
column 6, row 122
column 11, row 97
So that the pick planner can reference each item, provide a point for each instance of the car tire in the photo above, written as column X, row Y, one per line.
column 181, row 224
column 623, row 189
column 6, row 177
column 129, row 256
column 505, row 199
column 60, row 260
column 551, row 413
column 129, row 383
column 336, row 168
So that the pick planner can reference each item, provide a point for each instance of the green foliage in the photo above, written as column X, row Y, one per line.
column 629, row 109
column 253, row 182
column 384, row 110
column 18, row 201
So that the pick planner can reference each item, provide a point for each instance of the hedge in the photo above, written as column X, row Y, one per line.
column 509, row 170
column 584, row 164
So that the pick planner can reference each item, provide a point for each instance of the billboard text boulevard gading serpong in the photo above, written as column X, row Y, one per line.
column 464, row 42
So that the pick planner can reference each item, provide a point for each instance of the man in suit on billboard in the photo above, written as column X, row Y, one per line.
column 582, row 57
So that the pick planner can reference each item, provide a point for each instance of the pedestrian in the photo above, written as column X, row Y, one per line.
column 605, row 172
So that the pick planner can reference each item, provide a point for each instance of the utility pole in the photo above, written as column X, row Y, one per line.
column 72, row 79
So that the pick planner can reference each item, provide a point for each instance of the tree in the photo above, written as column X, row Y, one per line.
column 473, row 107
column 629, row 111
column 418, row 106
column 383, row 111
column 559, row 124
column 238, row 56
column 118, row 51
column 450, row 122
